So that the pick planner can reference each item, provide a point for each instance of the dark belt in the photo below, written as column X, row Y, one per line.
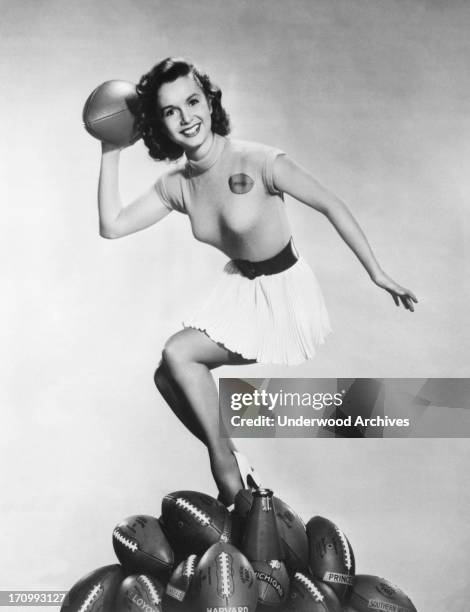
column 283, row 260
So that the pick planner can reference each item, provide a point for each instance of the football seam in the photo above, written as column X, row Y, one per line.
column 189, row 566
column 125, row 541
column 310, row 586
column 150, row 557
column 91, row 597
column 345, row 546
column 199, row 515
column 98, row 119
column 151, row 590
column 224, row 561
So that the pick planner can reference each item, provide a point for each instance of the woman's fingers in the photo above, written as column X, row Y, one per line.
column 409, row 303
column 410, row 298
column 405, row 297
column 400, row 295
column 404, row 301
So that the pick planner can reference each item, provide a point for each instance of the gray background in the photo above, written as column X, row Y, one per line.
column 372, row 96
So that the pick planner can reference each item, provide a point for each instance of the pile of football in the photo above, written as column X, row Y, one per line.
column 201, row 557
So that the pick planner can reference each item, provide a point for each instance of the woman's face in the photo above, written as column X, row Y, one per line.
column 185, row 112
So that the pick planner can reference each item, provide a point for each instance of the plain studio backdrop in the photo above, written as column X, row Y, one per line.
column 372, row 97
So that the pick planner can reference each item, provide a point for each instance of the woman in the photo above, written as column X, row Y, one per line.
column 267, row 307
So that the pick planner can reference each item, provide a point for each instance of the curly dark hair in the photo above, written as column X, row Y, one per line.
column 148, row 118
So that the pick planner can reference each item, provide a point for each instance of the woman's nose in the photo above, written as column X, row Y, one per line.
column 185, row 116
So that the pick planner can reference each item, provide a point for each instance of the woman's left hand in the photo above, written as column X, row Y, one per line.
column 398, row 293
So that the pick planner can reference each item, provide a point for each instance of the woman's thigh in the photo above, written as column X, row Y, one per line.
column 193, row 345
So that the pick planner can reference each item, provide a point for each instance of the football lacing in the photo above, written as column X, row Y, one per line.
column 195, row 512
column 225, row 574
column 151, row 590
column 127, row 542
column 345, row 545
column 308, row 584
column 188, row 567
column 91, row 597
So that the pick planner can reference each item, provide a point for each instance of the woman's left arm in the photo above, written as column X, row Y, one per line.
column 294, row 180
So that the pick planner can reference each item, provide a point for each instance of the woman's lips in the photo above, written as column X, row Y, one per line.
column 192, row 131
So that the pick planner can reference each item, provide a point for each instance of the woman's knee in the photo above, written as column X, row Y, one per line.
column 174, row 357
column 189, row 347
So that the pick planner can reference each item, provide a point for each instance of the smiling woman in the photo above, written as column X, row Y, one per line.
column 192, row 109
column 177, row 88
column 267, row 306
column 186, row 115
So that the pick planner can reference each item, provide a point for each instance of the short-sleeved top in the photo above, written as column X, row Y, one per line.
column 227, row 194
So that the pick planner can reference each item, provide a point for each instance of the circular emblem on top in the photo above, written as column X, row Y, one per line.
column 240, row 183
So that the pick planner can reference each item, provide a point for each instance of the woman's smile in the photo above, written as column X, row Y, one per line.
column 192, row 131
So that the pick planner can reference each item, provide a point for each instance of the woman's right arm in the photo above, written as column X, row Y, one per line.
column 115, row 219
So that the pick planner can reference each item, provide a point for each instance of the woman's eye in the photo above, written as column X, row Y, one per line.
column 194, row 101
column 168, row 113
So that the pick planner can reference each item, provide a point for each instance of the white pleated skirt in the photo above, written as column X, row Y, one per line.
column 278, row 319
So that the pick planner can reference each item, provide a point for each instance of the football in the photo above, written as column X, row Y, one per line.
column 331, row 558
column 273, row 582
column 374, row 593
column 139, row 593
column 310, row 595
column 225, row 580
column 194, row 521
column 96, row 591
column 181, row 579
column 142, row 547
column 290, row 527
column 109, row 113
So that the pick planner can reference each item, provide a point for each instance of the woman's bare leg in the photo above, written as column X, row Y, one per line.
column 175, row 398
column 177, row 401
column 185, row 381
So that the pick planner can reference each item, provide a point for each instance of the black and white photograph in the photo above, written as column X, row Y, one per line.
column 272, row 191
